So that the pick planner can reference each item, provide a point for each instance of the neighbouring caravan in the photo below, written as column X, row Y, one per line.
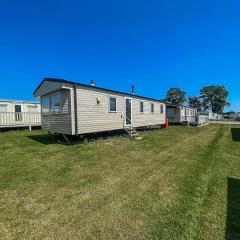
column 19, row 113
column 212, row 116
column 10, row 106
column 185, row 115
column 73, row 108
column 181, row 114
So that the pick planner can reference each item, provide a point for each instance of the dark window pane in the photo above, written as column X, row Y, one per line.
column 45, row 104
column 55, row 102
column 152, row 108
column 128, row 111
column 141, row 107
column 161, row 111
column 113, row 104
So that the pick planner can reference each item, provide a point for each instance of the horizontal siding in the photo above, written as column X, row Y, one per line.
column 93, row 117
column 147, row 118
column 59, row 122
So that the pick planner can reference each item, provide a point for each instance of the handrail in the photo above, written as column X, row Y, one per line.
column 20, row 118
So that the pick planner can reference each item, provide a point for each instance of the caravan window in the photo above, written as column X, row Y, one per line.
column 112, row 104
column 141, row 106
column 152, row 107
column 55, row 102
column 3, row 108
column 32, row 108
column 161, row 108
column 45, row 103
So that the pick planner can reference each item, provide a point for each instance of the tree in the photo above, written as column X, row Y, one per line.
column 214, row 98
column 229, row 113
column 195, row 102
column 175, row 96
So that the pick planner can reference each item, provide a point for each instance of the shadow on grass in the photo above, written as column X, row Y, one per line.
column 44, row 139
column 233, row 210
column 73, row 140
column 81, row 139
column 235, row 134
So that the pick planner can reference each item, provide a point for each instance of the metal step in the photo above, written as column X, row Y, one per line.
column 131, row 131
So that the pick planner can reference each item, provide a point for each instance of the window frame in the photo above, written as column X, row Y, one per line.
column 3, row 105
column 152, row 108
column 141, row 108
column 42, row 98
column 109, row 104
column 50, row 109
column 60, row 102
column 31, row 107
column 161, row 109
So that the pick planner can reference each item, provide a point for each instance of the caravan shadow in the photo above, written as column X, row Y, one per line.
column 44, row 139
column 80, row 139
column 59, row 139
column 235, row 134
column 233, row 210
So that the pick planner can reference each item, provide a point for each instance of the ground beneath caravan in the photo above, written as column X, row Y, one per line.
column 181, row 183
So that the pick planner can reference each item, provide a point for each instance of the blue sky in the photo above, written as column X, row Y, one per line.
column 155, row 44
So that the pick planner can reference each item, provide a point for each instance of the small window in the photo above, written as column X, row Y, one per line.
column 152, row 107
column 18, row 108
column 161, row 108
column 141, row 107
column 45, row 103
column 3, row 108
column 112, row 104
column 55, row 102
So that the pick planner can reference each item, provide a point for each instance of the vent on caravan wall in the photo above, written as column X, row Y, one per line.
column 92, row 83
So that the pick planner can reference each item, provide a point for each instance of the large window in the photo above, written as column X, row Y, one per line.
column 112, row 104
column 55, row 102
column 51, row 103
column 152, row 107
column 3, row 108
column 141, row 106
column 161, row 109
column 45, row 103
column 32, row 108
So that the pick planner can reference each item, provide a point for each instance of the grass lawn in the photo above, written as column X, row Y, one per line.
column 180, row 183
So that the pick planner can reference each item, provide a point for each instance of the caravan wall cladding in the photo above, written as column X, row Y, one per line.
column 97, row 111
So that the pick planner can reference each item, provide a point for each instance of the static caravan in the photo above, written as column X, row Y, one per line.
column 10, row 106
column 212, row 116
column 19, row 113
column 73, row 108
column 181, row 114
column 237, row 116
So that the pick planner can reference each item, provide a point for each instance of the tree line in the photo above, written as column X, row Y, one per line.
column 213, row 98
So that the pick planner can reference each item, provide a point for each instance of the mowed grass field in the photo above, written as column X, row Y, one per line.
column 180, row 183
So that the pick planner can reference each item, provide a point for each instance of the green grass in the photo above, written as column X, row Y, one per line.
column 180, row 183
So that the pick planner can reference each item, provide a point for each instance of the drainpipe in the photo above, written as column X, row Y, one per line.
column 75, row 109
